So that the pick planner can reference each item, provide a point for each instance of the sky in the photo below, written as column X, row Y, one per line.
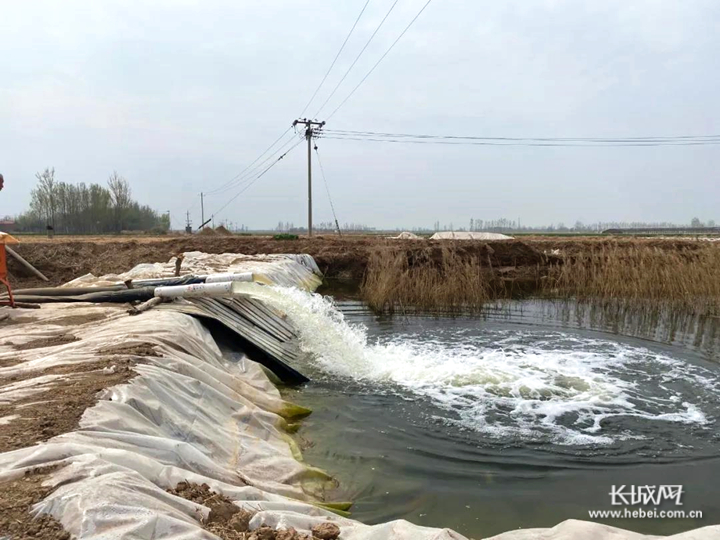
column 180, row 96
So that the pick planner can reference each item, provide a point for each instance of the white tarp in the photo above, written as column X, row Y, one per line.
column 466, row 235
column 406, row 236
column 196, row 413
column 286, row 270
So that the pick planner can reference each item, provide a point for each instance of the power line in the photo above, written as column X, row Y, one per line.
column 654, row 138
column 335, row 59
column 381, row 59
column 239, row 177
column 255, row 179
column 249, row 175
column 555, row 144
column 529, row 142
column 327, row 190
column 251, row 164
column 356, row 59
column 248, row 171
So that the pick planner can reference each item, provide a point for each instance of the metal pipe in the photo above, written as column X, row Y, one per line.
column 26, row 264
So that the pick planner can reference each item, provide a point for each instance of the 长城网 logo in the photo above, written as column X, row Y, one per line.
column 645, row 495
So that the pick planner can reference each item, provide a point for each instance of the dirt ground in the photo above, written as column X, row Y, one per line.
column 67, row 257
column 64, row 258
column 17, row 498
column 44, row 415
column 58, row 409
column 230, row 522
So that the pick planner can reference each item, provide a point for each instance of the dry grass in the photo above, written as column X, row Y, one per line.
column 634, row 273
column 397, row 280
column 640, row 273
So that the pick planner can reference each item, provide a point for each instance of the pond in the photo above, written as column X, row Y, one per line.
column 523, row 416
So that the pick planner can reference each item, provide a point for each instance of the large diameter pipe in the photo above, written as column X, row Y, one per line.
column 224, row 289
column 229, row 276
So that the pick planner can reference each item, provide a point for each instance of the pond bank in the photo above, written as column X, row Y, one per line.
column 197, row 413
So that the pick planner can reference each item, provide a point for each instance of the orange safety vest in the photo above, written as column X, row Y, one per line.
column 3, row 267
column 3, row 263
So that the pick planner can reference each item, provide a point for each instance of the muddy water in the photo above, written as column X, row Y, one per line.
column 523, row 417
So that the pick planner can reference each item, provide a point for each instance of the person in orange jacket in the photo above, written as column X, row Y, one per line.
column 3, row 260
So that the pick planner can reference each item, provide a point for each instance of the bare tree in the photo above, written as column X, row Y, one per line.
column 47, row 195
column 120, row 197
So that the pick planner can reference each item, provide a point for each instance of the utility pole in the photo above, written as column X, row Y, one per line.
column 188, row 223
column 202, row 211
column 311, row 127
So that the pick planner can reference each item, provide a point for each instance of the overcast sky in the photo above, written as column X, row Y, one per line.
column 179, row 96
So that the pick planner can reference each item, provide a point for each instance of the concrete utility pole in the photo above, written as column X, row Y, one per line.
column 311, row 127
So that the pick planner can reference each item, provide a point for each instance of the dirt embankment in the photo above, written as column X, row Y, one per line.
column 63, row 259
column 559, row 267
column 565, row 246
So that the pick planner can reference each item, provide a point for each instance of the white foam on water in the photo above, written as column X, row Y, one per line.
column 508, row 385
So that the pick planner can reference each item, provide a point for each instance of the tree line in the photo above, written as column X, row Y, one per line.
column 82, row 209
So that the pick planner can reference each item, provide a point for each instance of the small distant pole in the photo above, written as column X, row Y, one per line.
column 188, row 223
column 202, row 211
column 311, row 128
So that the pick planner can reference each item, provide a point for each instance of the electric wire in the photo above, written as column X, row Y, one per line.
column 356, row 59
column 249, row 175
column 239, row 178
column 227, row 203
column 251, row 163
column 335, row 59
column 654, row 138
column 579, row 144
column 380, row 60
column 327, row 190
column 247, row 172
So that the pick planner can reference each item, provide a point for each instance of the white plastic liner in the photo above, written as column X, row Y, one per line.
column 573, row 529
column 195, row 414
column 286, row 270
column 467, row 235
column 405, row 235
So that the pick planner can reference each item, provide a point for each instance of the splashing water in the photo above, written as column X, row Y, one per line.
column 533, row 385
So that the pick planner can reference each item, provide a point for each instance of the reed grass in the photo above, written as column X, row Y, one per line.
column 641, row 274
column 399, row 281
column 632, row 273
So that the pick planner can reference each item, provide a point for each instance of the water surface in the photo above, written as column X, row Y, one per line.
column 522, row 417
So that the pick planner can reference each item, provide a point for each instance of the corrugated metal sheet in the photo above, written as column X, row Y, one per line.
column 271, row 338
